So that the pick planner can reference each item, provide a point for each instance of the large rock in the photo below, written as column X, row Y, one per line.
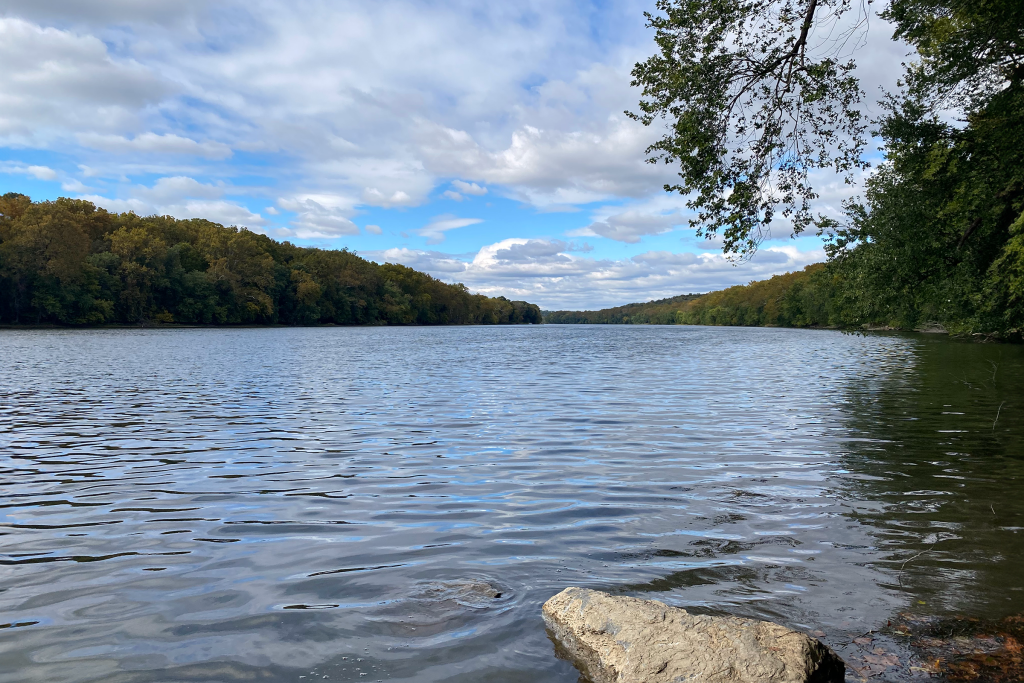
column 618, row 639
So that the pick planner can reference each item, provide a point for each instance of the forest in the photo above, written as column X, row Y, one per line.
column 68, row 262
column 820, row 295
column 752, row 110
column 660, row 312
column 817, row 296
column 805, row 298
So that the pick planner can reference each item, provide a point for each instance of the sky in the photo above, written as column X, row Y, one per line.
column 481, row 142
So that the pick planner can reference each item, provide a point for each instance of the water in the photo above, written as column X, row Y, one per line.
column 295, row 504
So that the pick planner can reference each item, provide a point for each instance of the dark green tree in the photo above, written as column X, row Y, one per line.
column 756, row 94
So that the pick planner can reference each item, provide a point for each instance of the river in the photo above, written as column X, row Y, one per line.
column 291, row 504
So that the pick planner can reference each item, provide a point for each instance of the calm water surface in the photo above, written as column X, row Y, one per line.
column 291, row 504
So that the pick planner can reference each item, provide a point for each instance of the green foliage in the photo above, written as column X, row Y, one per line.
column 937, row 236
column 755, row 100
column 70, row 263
column 801, row 299
column 969, row 50
column 661, row 312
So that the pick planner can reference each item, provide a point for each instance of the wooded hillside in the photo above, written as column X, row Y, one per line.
column 71, row 263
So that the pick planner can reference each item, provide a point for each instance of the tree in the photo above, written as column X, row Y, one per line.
column 753, row 108
column 937, row 236
column 757, row 95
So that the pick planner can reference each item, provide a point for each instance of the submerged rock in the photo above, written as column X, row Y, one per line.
column 618, row 639
column 465, row 592
column 966, row 649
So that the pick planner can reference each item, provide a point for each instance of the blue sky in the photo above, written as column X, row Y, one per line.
column 481, row 142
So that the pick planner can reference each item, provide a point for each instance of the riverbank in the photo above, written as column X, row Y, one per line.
column 812, row 298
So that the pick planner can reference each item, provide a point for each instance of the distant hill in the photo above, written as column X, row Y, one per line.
column 660, row 312
column 68, row 262
column 801, row 299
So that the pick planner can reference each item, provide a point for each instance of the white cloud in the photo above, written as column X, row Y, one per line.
column 373, row 229
column 435, row 230
column 173, row 189
column 218, row 211
column 225, row 212
column 547, row 272
column 440, row 265
column 451, row 194
column 630, row 226
column 181, row 197
column 152, row 143
column 38, row 172
column 42, row 172
column 375, row 197
column 469, row 188
column 76, row 186
column 322, row 217
column 553, row 168
column 55, row 82
column 137, row 206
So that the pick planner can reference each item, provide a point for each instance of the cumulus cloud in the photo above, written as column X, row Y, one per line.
column 152, row 143
column 76, row 186
column 173, row 189
column 218, row 211
column 550, row 274
column 38, row 172
column 319, row 218
column 630, row 226
column 553, row 168
column 469, row 188
column 375, row 197
column 55, row 82
column 178, row 196
column 373, row 229
column 444, row 266
column 221, row 211
column 42, row 172
column 435, row 230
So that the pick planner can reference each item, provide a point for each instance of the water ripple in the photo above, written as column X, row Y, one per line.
column 265, row 504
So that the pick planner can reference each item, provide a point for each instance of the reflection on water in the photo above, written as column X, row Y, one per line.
column 942, row 461
column 363, row 504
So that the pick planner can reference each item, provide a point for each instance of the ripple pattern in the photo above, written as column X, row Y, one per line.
column 291, row 504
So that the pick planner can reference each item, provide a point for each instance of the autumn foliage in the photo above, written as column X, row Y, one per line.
column 68, row 262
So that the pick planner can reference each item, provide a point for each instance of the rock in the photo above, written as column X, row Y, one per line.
column 618, row 639
column 465, row 592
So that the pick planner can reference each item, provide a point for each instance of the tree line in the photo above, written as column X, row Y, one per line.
column 816, row 296
column 68, row 262
column 805, row 298
column 759, row 96
column 660, row 312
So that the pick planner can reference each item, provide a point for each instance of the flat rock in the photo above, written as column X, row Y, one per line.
column 618, row 639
